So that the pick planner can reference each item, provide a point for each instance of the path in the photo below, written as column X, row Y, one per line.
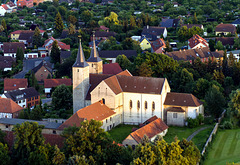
column 195, row 133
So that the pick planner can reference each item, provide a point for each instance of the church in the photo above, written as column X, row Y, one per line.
column 124, row 98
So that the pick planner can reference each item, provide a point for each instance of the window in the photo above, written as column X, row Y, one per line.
column 54, row 132
column 36, row 102
column 130, row 104
column 23, row 101
column 145, row 104
column 106, row 120
column 78, row 70
column 36, row 97
column 103, row 100
column 19, row 101
column 174, row 115
column 6, row 126
column 138, row 104
column 153, row 105
column 110, row 118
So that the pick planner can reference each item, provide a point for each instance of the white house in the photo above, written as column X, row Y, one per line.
column 8, row 108
column 31, row 55
column 3, row 9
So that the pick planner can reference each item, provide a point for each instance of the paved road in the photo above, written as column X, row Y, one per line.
column 47, row 100
column 195, row 133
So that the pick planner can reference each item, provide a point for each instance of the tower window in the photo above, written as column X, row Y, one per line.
column 92, row 65
column 103, row 100
column 153, row 106
column 78, row 70
column 145, row 104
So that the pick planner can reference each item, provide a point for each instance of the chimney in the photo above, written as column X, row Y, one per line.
column 180, row 50
column 147, row 26
column 216, row 50
column 183, row 49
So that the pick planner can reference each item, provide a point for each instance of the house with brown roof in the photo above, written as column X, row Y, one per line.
column 154, row 32
column 96, row 111
column 8, row 108
column 153, row 129
column 49, row 42
column 225, row 29
column 197, row 42
column 49, row 84
column 6, row 63
column 179, row 106
column 158, row 46
column 15, row 84
column 111, row 55
column 10, row 48
column 191, row 54
column 42, row 71
column 103, row 35
column 226, row 41
column 26, row 37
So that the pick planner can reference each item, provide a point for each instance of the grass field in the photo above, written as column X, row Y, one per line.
column 225, row 148
column 201, row 138
column 180, row 132
column 120, row 132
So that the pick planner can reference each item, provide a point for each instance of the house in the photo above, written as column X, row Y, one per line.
column 15, row 35
column 175, row 4
column 189, row 26
column 3, row 9
column 31, row 55
column 158, row 46
column 226, row 41
column 64, row 55
column 9, row 109
column 43, row 71
column 27, row 3
column 48, row 45
column 236, row 22
column 111, row 55
column 144, row 43
column 197, row 42
column 153, row 129
column 191, row 54
column 10, row 48
column 49, row 84
column 28, row 97
column 112, row 68
column 169, row 23
column 15, row 84
column 6, row 63
column 103, row 28
column 225, row 29
column 153, row 32
column 26, row 37
column 96, row 111
column 179, row 106
column 103, row 35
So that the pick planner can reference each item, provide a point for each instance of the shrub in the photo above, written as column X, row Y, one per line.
column 192, row 122
column 200, row 119
column 227, row 125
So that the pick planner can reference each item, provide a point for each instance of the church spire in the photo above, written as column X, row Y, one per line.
column 80, row 61
column 94, row 53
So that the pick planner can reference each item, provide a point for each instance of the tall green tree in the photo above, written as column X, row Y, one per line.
column 62, row 98
column 59, row 26
column 3, row 23
column 20, row 54
column 55, row 53
column 219, row 45
column 195, row 20
column 4, row 154
column 123, row 61
column 37, row 37
column 234, row 103
column 28, row 137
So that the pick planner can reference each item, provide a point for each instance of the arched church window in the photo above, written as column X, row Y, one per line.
column 145, row 104
column 138, row 104
column 130, row 104
column 153, row 105
column 103, row 100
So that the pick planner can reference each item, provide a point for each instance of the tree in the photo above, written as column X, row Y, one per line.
column 58, row 157
column 219, row 46
column 86, row 16
column 195, row 20
column 4, row 25
column 19, row 54
column 234, row 103
column 55, row 52
column 62, row 98
column 88, row 140
column 72, row 19
column 4, row 154
column 123, row 61
column 37, row 37
column 168, row 47
column 58, row 24
column 132, row 22
column 28, row 136
column 36, row 113
column 111, row 19
column 145, row 70
column 211, row 45
column 215, row 102
column 201, row 87
column 72, row 29
column 183, row 33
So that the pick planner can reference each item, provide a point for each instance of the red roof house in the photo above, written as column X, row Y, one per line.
column 50, row 83
column 158, row 46
column 197, row 42
column 112, row 68
column 8, row 108
column 14, row 84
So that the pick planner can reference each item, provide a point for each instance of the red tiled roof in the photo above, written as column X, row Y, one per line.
column 4, row 6
column 226, row 28
column 175, row 109
column 104, row 28
column 150, row 120
column 152, row 129
column 14, row 84
column 158, row 45
column 195, row 40
column 226, row 40
column 17, row 32
column 54, row 139
column 96, row 111
column 49, row 83
column 113, row 68
column 182, row 99
column 11, row 47
column 62, row 45
column 9, row 106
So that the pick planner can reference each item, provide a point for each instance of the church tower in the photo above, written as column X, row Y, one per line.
column 95, row 63
column 80, row 73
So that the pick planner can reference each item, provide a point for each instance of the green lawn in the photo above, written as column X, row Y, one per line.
column 120, row 132
column 201, row 138
column 180, row 132
column 225, row 148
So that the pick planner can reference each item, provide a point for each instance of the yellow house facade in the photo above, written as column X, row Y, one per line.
column 145, row 44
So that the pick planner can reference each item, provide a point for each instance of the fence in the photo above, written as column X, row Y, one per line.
column 213, row 132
